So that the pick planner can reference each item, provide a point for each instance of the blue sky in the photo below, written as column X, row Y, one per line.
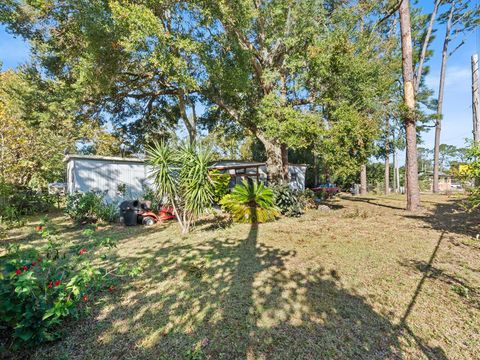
column 457, row 121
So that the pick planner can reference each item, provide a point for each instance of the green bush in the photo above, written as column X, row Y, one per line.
column 40, row 288
column 308, row 198
column 220, row 185
column 108, row 212
column 471, row 172
column 250, row 202
column 90, row 207
column 152, row 196
column 288, row 200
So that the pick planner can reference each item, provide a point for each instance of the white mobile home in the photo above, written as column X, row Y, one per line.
column 128, row 178
column 116, row 177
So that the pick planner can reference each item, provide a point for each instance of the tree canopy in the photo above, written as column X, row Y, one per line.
column 316, row 76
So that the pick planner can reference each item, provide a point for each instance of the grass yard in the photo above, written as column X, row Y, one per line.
column 365, row 280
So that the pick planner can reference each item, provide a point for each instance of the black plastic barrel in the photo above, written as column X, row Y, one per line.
column 130, row 217
column 129, row 212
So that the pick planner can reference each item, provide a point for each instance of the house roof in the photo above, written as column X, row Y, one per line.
column 235, row 164
column 102, row 158
column 220, row 164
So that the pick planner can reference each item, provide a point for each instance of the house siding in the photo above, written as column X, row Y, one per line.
column 105, row 175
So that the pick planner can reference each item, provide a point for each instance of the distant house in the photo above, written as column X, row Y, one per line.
column 446, row 182
column 119, row 178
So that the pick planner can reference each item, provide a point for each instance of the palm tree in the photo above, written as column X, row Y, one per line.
column 181, row 177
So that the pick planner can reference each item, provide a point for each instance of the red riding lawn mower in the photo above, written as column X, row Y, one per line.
column 140, row 212
column 148, row 217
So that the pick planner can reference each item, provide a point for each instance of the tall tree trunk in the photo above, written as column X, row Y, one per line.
column 396, row 181
column 441, row 90
column 413, row 193
column 475, row 100
column 190, row 122
column 387, row 157
column 418, row 76
column 275, row 169
column 363, row 180
column 387, row 173
column 285, row 174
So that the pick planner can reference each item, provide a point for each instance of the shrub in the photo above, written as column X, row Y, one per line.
column 40, row 288
column 471, row 171
column 17, row 201
column 150, row 195
column 250, row 202
column 326, row 193
column 220, row 185
column 308, row 198
column 89, row 207
column 287, row 200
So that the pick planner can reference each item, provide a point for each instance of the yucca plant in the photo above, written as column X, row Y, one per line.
column 181, row 176
column 250, row 202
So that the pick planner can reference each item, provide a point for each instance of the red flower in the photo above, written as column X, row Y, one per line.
column 85, row 298
column 18, row 271
column 34, row 263
column 38, row 228
column 83, row 251
column 25, row 268
column 110, row 289
column 57, row 282
column 50, row 285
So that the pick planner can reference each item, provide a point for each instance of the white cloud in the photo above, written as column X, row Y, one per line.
column 458, row 77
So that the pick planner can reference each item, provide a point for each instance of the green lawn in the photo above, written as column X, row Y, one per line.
column 365, row 280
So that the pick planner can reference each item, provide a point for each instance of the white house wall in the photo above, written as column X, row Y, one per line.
column 106, row 176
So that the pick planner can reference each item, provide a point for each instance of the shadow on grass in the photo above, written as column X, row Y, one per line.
column 371, row 202
column 451, row 217
column 429, row 271
column 431, row 353
column 236, row 298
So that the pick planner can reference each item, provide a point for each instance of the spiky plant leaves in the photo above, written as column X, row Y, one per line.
column 181, row 175
column 250, row 202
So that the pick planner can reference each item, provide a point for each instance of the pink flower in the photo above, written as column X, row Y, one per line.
column 83, row 251
column 85, row 298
